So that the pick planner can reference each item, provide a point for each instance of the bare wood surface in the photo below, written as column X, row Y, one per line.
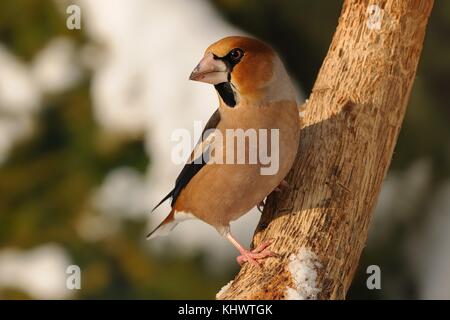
column 350, row 127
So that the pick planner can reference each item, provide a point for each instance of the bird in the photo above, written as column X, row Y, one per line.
column 256, row 93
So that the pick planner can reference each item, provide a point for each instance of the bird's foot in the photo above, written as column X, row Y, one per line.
column 259, row 253
column 284, row 185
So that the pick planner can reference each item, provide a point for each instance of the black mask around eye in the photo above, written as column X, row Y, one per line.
column 225, row 89
column 233, row 58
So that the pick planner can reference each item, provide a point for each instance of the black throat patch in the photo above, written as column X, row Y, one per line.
column 226, row 93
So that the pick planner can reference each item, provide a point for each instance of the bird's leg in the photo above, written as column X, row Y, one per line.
column 282, row 186
column 259, row 253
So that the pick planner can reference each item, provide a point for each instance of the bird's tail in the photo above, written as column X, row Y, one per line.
column 164, row 227
column 164, row 199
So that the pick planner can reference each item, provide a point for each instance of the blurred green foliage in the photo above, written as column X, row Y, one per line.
column 46, row 183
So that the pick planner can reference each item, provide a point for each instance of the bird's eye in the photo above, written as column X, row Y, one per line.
column 236, row 54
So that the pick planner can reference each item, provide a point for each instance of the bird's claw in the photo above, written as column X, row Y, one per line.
column 254, row 256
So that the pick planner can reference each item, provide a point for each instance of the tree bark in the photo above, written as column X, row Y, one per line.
column 350, row 127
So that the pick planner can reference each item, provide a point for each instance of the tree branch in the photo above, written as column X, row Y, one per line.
column 350, row 128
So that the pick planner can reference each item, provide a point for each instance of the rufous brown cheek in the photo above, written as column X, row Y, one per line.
column 253, row 72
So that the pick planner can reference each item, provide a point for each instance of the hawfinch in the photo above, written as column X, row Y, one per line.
column 255, row 94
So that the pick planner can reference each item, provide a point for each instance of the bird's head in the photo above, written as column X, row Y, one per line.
column 243, row 68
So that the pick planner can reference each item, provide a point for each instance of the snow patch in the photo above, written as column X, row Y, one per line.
column 40, row 272
column 54, row 68
column 224, row 289
column 303, row 267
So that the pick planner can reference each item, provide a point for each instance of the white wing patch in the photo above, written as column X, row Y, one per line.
column 207, row 140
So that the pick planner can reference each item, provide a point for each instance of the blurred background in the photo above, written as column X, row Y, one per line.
column 86, row 118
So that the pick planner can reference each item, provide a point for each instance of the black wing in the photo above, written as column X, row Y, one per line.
column 193, row 166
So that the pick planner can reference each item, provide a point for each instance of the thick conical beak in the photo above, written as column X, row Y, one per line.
column 210, row 70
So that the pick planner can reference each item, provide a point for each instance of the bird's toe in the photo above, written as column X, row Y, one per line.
column 256, row 255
